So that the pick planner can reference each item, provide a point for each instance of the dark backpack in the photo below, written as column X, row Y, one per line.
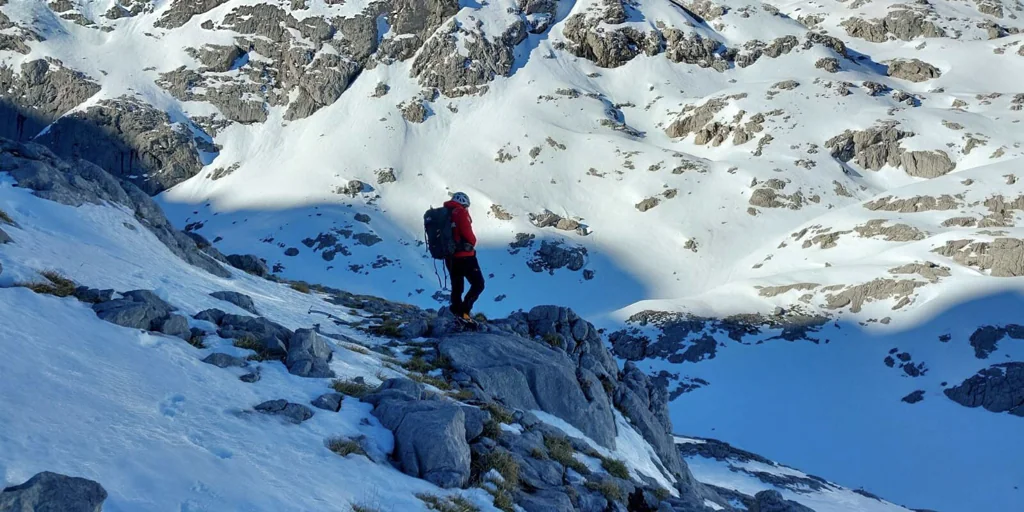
column 437, row 225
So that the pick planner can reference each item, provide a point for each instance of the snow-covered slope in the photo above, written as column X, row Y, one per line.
column 161, row 425
column 762, row 167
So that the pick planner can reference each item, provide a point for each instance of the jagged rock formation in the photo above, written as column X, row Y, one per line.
column 1003, row 257
column 442, row 64
column 38, row 94
column 998, row 388
column 902, row 24
column 129, row 139
column 878, row 146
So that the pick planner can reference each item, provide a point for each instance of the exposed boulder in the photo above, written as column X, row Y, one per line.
column 93, row 295
column 292, row 412
column 914, row 397
column 273, row 336
column 53, row 492
column 328, row 402
column 239, row 299
column 249, row 263
column 926, row 164
column 222, row 360
column 548, row 219
column 309, row 355
column 526, row 374
column 212, row 315
column 772, row 501
column 913, row 70
column 175, row 325
column 547, row 500
column 143, row 311
column 430, row 435
column 998, row 388
column 219, row 58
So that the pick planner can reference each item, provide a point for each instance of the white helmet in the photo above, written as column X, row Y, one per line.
column 461, row 198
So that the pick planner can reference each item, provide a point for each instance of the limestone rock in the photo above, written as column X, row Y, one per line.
column 913, row 70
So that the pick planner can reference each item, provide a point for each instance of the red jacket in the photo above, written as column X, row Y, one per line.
column 463, row 229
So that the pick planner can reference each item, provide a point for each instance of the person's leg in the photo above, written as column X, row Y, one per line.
column 471, row 269
column 458, row 285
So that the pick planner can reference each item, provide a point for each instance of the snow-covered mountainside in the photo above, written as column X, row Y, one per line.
column 159, row 378
column 799, row 217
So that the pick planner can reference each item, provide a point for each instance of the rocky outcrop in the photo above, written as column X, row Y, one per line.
column 998, row 388
column 239, row 299
column 548, row 219
column 872, row 148
column 54, row 492
column 43, row 91
column 309, row 355
column 249, row 263
column 531, row 376
column 142, row 309
column 35, row 167
column 878, row 146
column 608, row 47
column 129, row 139
column 1003, row 257
column 772, row 501
column 913, row 70
column 646, row 405
column 985, row 339
column 430, row 434
column 552, row 256
column 461, row 60
column 926, row 164
column 182, row 11
column 902, row 24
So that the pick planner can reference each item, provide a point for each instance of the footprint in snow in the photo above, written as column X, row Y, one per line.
column 172, row 405
column 197, row 439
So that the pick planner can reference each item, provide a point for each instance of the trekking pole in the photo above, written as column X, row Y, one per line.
column 328, row 315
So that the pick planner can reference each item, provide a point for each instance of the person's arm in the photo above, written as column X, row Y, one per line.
column 464, row 225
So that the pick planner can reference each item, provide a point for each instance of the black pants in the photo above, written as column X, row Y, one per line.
column 468, row 269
